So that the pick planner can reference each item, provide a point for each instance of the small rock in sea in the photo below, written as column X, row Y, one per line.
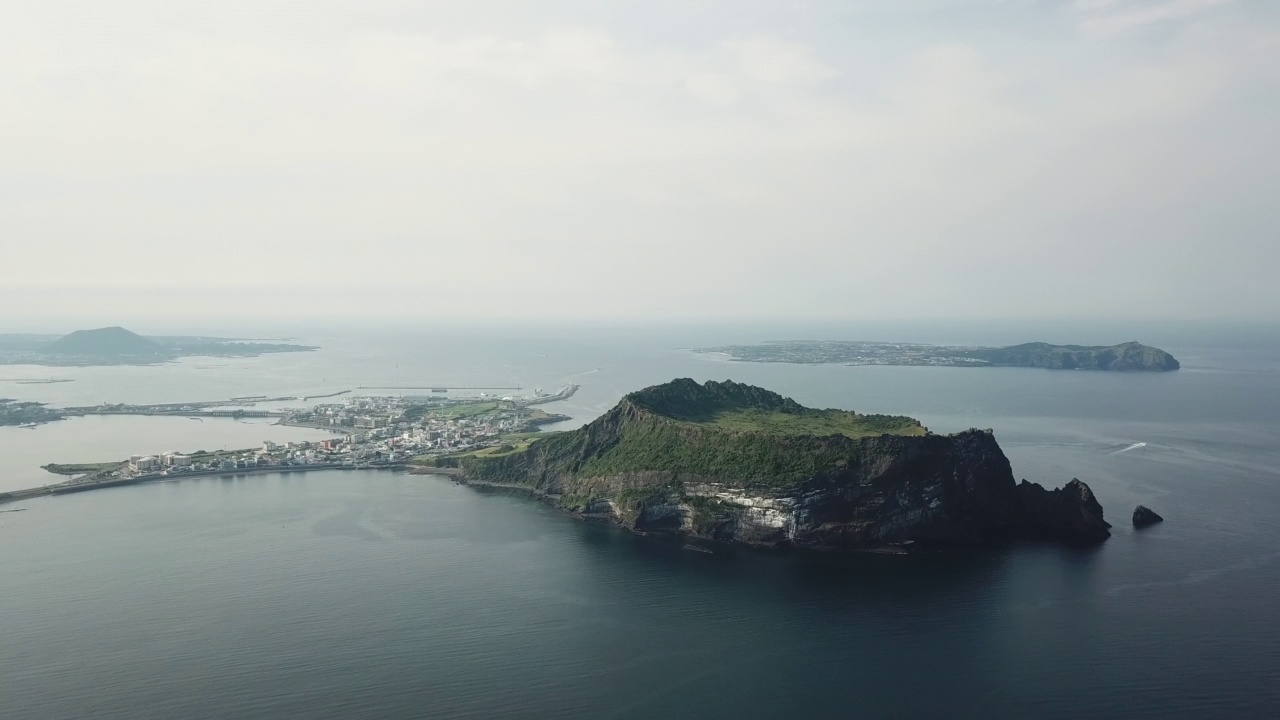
column 1144, row 516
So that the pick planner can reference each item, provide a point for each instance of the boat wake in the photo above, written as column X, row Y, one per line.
column 1134, row 446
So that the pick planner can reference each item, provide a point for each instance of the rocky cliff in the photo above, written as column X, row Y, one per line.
column 733, row 462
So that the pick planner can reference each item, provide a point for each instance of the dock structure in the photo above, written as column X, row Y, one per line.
column 565, row 393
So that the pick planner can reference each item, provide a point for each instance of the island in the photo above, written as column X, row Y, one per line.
column 1129, row 356
column 118, row 346
column 724, row 461
column 26, row 414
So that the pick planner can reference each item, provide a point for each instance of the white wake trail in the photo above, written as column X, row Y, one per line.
column 1134, row 446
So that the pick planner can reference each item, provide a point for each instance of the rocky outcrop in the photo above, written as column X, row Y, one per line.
column 1069, row 512
column 642, row 468
column 1144, row 516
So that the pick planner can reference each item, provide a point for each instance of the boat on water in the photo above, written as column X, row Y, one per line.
column 29, row 426
column 695, row 548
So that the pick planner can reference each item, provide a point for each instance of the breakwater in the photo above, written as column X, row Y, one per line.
column 565, row 393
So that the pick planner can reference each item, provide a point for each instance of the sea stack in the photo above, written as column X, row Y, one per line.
column 1144, row 516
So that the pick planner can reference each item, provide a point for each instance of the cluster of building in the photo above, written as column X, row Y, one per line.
column 141, row 464
column 382, row 431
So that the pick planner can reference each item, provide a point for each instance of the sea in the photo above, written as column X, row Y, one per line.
column 380, row 594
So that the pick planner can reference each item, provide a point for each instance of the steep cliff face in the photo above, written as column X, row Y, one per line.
column 674, row 458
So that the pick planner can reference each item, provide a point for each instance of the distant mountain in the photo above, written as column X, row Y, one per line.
column 1126, row 356
column 118, row 346
column 104, row 342
column 1123, row 357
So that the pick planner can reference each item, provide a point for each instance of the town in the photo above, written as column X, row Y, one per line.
column 369, row 432
column 376, row 431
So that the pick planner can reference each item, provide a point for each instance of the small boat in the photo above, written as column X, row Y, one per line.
column 28, row 426
column 695, row 548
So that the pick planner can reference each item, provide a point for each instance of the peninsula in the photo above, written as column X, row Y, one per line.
column 732, row 462
column 26, row 414
column 118, row 346
column 371, row 432
column 1125, row 356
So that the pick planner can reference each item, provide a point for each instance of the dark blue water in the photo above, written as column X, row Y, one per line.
column 376, row 594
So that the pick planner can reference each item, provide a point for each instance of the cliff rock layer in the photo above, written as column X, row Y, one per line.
column 733, row 462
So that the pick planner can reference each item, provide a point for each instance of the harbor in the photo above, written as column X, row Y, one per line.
column 369, row 432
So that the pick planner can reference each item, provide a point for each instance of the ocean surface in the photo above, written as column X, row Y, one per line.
column 378, row 594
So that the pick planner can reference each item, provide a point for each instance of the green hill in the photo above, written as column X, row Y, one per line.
column 737, row 407
column 1125, row 356
column 729, row 461
column 104, row 342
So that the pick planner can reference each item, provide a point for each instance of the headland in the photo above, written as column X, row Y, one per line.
column 730, row 462
column 371, row 432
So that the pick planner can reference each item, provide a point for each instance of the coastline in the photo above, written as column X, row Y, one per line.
column 71, row 486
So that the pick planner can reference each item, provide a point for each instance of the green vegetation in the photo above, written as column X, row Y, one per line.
column 816, row 422
column 1125, row 356
column 110, row 341
column 512, row 444
column 527, row 437
column 575, row 502
column 708, row 514
column 503, row 449
column 79, row 468
column 752, row 457
column 465, row 410
column 745, row 408
column 633, row 498
column 724, row 431
column 709, row 459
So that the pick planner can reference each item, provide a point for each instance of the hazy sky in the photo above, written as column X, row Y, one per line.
column 648, row 159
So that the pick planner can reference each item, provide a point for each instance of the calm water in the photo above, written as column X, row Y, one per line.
column 379, row 594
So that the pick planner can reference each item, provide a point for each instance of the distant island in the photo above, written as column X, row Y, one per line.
column 26, row 414
column 118, row 346
column 1130, row 356
column 731, row 462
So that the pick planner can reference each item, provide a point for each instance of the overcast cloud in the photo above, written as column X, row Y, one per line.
column 942, row 158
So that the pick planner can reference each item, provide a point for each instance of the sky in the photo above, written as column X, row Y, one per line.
column 657, row 160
